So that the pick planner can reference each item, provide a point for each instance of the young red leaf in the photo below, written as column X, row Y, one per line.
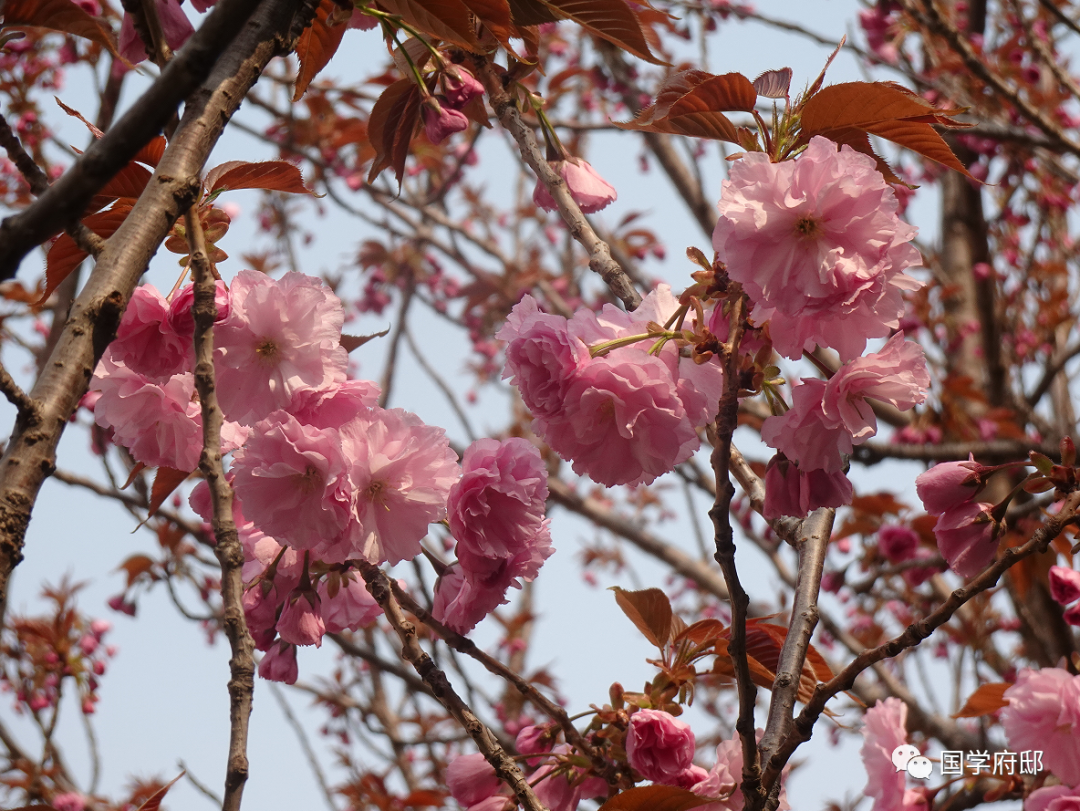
column 269, row 175
column 391, row 125
column 655, row 798
column 135, row 566
column 165, row 482
column 64, row 256
column 448, row 20
column 59, row 15
column 693, row 103
column 526, row 13
column 128, row 183
column 649, row 610
column 612, row 20
column 989, row 698
column 351, row 342
column 317, row 45
column 494, row 14
column 773, row 84
column 152, row 152
column 154, row 802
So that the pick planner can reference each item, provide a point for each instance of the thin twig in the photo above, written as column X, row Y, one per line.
column 199, row 785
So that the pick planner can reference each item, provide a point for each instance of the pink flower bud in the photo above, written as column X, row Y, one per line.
column 966, row 543
column 279, row 664
column 462, row 87
column 88, row 644
column 440, row 121
column 590, row 191
column 471, row 779
column 948, row 484
column 1064, row 584
column 300, row 622
column 100, row 627
column 659, row 745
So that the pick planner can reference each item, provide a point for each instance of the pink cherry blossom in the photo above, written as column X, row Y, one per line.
column 624, row 422
column 442, row 121
column 460, row 603
column 897, row 544
column 948, row 484
column 966, row 542
column 174, row 23
column 300, row 622
column 334, row 406
column 280, row 336
column 293, row 481
column 790, row 491
column 805, row 435
column 179, row 318
column 461, row 86
column 1064, row 584
column 1044, row 714
column 1048, row 798
column 722, row 781
column 884, row 729
column 351, row 608
column 542, row 357
column 590, row 191
column 896, row 375
column 817, row 244
column 563, row 790
column 401, row 472
column 145, row 341
column 471, row 779
column 496, row 509
column 279, row 664
column 659, row 746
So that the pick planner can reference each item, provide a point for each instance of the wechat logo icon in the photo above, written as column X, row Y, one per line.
column 906, row 758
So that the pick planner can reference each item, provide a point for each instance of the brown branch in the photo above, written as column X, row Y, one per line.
column 600, row 260
column 31, row 452
column 68, row 197
column 228, row 549
column 917, row 632
column 380, row 587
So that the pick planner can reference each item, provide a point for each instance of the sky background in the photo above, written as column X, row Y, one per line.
column 164, row 699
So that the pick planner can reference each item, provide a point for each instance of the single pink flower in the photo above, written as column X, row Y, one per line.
column 535, row 739
column 401, row 472
column 790, row 491
column 442, row 120
column 300, row 622
column 174, row 23
column 805, row 435
column 279, row 664
column 897, row 544
column 471, row 779
column 1048, row 798
column 884, row 729
column 460, row 603
column 722, row 781
column 659, row 746
column 1044, row 714
column 1064, row 584
column 496, row 509
column 948, row 484
column 461, row 86
column 590, row 191
column 280, row 336
column 352, row 607
column 293, row 481
column 818, row 245
column 145, row 341
column 896, row 375
column 966, row 542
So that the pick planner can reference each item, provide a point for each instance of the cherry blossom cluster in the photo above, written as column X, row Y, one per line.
column 323, row 476
column 964, row 530
column 623, row 408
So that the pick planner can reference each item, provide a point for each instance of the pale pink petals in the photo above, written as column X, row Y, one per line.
column 590, row 191
column 471, row 779
column 179, row 318
column 563, row 791
column 442, row 121
column 461, row 603
column 1044, row 714
column 805, row 435
column 817, row 244
column 1048, row 798
column 1064, row 584
column 174, row 23
column 659, row 746
column 352, row 607
column 145, row 341
column 723, row 779
column 965, row 537
column 334, row 406
column 790, row 491
column 280, row 336
column 279, row 664
column 896, row 375
column 300, row 622
column 401, row 471
column 884, row 729
column 461, row 86
column 947, row 485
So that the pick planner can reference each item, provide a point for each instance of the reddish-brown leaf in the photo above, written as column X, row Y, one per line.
column 165, row 482
column 989, row 698
column 60, row 15
column 649, row 610
column 351, row 342
column 612, row 20
column 135, row 566
column 390, row 127
column 759, row 674
column 269, row 175
column 129, row 182
column 694, row 102
column 702, row 632
column 655, row 798
column 154, row 801
column 449, row 20
column 532, row 12
column 317, row 45
column 880, row 109
column 494, row 14
column 64, row 256
column 773, row 84
column 152, row 152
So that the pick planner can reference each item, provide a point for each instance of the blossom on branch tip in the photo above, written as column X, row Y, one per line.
column 805, row 434
column 948, row 484
column 590, row 191
column 659, row 746
column 279, row 664
column 352, row 607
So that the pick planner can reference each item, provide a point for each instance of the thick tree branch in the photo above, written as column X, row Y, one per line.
column 31, row 452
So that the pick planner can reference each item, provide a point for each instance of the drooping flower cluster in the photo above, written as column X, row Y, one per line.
column 964, row 531
column 827, row 419
column 818, row 246
column 442, row 114
column 624, row 417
